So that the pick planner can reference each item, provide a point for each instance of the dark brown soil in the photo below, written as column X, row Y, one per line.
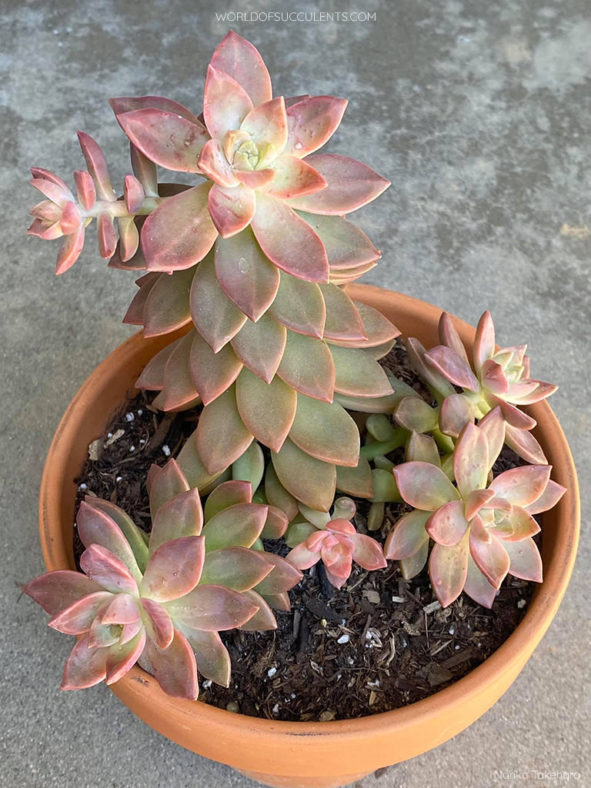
column 378, row 643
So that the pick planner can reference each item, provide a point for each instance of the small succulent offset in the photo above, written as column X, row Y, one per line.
column 482, row 529
column 161, row 601
column 250, row 255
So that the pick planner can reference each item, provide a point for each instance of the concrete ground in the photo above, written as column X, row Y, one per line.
column 480, row 114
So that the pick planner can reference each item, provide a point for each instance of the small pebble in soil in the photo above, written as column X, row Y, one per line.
column 343, row 639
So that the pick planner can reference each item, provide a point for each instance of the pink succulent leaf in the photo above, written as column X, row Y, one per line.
column 231, row 209
column 174, row 569
column 517, row 525
column 513, row 416
column 221, row 435
column 424, row 486
column 267, row 409
column 97, row 527
column 69, row 251
column 414, row 414
column 144, row 170
column 416, row 354
column 102, row 636
column 107, row 237
column 134, row 193
column 225, row 495
column 122, row 609
column 522, row 486
column 164, row 484
column 125, row 104
column 260, row 346
column 107, row 570
column 525, row 445
column 447, row 362
column 448, row 568
column 477, row 586
column 276, row 524
column 212, row 656
column 326, row 431
column 165, row 138
column 175, row 667
column 347, row 247
column 47, row 211
column 213, row 163
column 180, row 516
column 367, row 552
column 484, row 345
column 476, row 500
column 278, row 601
column 456, row 411
column 528, row 392
column 238, row 568
column 167, row 306
column 408, row 536
column 343, row 321
column 152, row 376
column 490, row 557
column 71, row 220
column 350, row 185
column 263, row 619
column 179, row 390
column 85, row 666
column 449, row 337
column 494, row 427
column 470, row 460
column 225, row 103
column 40, row 229
column 243, row 62
column 239, row 525
column 288, row 241
column 129, row 239
column 212, row 608
column 180, row 232
column 52, row 191
column 137, row 261
column 254, row 179
column 121, row 657
column 299, row 306
column 493, row 378
column 312, row 122
column 159, row 623
column 303, row 558
column 85, row 189
column 548, row 499
column 212, row 373
column 448, row 524
column 97, row 166
column 58, row 590
column 338, row 580
column 267, row 126
column 415, row 563
column 294, row 178
column 277, row 495
column 78, row 617
column 46, row 175
column 283, row 577
column 311, row 481
column 357, row 374
column 526, row 562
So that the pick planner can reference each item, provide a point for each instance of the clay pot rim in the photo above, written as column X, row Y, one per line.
column 516, row 649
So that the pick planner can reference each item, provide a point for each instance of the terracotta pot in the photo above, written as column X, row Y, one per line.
column 312, row 753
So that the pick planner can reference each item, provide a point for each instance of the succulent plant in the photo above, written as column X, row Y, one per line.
column 161, row 601
column 482, row 530
column 250, row 257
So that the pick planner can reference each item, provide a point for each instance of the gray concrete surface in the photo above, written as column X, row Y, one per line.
column 480, row 114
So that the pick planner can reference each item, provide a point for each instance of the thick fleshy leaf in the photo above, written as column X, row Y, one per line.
column 367, row 404
column 179, row 388
column 167, row 305
column 214, row 164
column 152, row 376
column 276, row 523
column 129, row 239
column 130, row 103
column 448, row 567
column 518, row 524
column 212, row 373
column 160, row 626
column 448, row 524
column 357, row 374
column 493, row 378
column 525, row 559
column 513, row 416
column 213, row 659
column 164, row 484
column 522, row 486
column 55, row 591
column 237, row 568
column 85, row 189
column 424, row 486
column 368, row 553
column 490, row 557
column 97, row 166
column 97, row 527
column 384, row 486
column 449, row 336
column 525, row 445
column 134, row 193
column 242, row 61
column 309, row 480
column 379, row 331
column 326, row 431
column 288, row 241
column 107, row 570
column 69, row 251
column 342, row 277
column 356, row 481
column 263, row 619
column 165, row 138
column 221, row 434
column 254, row 179
column 135, row 311
column 294, row 177
column 407, row 536
column 303, row 558
column 78, row 617
column 282, row 578
column 250, row 466
column 216, row 317
column 549, row 498
column 180, row 232
column 180, row 516
column 122, row 609
column 299, row 305
column 212, row 608
column 312, row 122
column 475, row 501
column 415, row 563
column 477, row 586
column 484, row 344
column 239, row 525
column 470, row 461
column 422, row 448
column 525, row 394
column 277, row 495
column 260, row 346
column 347, row 247
column 267, row 126
column 85, row 666
column 350, row 185
column 144, row 170
column 267, row 409
column 246, row 276
column 493, row 426
column 226, row 495
column 447, row 362
column 343, row 321
column 174, row 569
column 231, row 208
column 193, row 468
column 225, row 103
column 416, row 354
column 175, row 668
column 135, row 537
column 456, row 411
column 40, row 173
